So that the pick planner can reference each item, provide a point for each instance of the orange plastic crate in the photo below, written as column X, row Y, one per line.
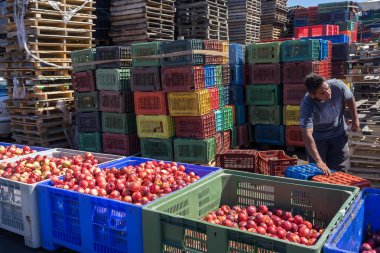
column 274, row 162
column 343, row 179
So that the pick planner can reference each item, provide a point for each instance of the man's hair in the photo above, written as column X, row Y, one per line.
column 313, row 82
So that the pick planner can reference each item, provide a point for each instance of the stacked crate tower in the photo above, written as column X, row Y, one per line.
column 273, row 19
column 141, row 21
column 175, row 117
column 202, row 19
column 40, row 38
column 104, row 101
column 370, row 22
column 244, row 21
column 3, row 30
column 240, row 133
column 102, row 23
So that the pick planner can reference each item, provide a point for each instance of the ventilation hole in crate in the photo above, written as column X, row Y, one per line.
column 58, row 222
column 181, row 208
column 100, row 234
column 118, row 220
column 171, row 249
column 195, row 240
column 301, row 198
column 238, row 247
column 100, row 216
column 71, row 207
column 118, row 238
column 72, row 225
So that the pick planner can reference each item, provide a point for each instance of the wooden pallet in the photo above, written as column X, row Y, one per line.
column 55, row 142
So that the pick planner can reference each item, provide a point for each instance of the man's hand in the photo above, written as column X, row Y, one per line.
column 323, row 167
column 355, row 125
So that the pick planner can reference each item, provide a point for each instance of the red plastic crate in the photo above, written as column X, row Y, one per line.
column 293, row 136
column 274, row 162
column 292, row 94
column 328, row 69
column 295, row 72
column 116, row 101
column 234, row 159
column 301, row 13
column 185, row 78
column 342, row 179
column 218, row 143
column 213, row 45
column 145, row 79
column 150, row 103
column 242, row 135
column 214, row 98
column 198, row 127
column 354, row 36
column 265, row 73
column 226, row 139
column 301, row 32
column 121, row 144
column 323, row 30
column 84, row 81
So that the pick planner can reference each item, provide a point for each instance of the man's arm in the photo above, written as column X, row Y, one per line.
column 351, row 104
column 311, row 147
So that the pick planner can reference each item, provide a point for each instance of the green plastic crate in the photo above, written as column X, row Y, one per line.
column 263, row 52
column 83, row 56
column 264, row 94
column 227, row 118
column 119, row 123
column 86, row 101
column 222, row 92
column 91, row 142
column 265, row 114
column 113, row 79
column 300, row 50
column 218, row 75
column 173, row 222
column 347, row 25
column 194, row 150
column 161, row 149
column 145, row 49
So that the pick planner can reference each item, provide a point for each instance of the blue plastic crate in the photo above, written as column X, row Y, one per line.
column 324, row 51
column 304, row 172
column 270, row 134
column 300, row 22
column 6, row 144
column 87, row 223
column 236, row 95
column 240, row 115
column 335, row 38
column 237, row 76
column 209, row 73
column 218, row 120
column 348, row 235
column 235, row 54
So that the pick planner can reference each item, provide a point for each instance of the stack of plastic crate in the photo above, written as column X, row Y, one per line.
column 197, row 92
column 113, row 81
column 240, row 136
column 155, row 127
column 87, row 102
column 264, row 93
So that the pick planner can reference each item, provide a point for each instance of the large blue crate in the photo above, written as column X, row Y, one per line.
column 240, row 115
column 335, row 38
column 324, row 51
column 209, row 73
column 87, row 223
column 270, row 134
column 305, row 172
column 236, row 95
column 348, row 235
column 235, row 54
column 237, row 76
column 38, row 149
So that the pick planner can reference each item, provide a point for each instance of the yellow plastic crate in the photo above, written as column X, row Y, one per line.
column 195, row 103
column 226, row 47
column 291, row 115
column 155, row 126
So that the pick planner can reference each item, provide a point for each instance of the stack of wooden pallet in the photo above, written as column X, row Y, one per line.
column 3, row 29
column 244, row 21
column 40, row 37
column 364, row 77
column 141, row 21
column 202, row 19
column 273, row 18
